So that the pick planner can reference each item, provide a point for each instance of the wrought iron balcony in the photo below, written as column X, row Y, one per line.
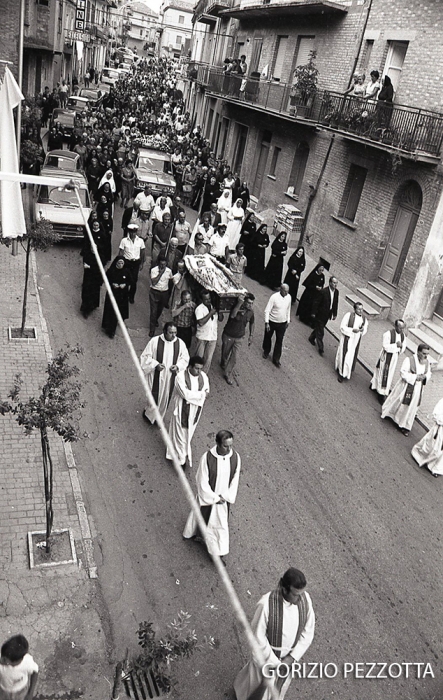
column 207, row 11
column 268, row 96
column 409, row 131
column 251, row 9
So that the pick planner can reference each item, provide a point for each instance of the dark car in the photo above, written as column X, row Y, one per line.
column 66, row 118
column 94, row 96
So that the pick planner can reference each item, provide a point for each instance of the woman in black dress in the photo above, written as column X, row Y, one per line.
column 313, row 284
column 257, row 251
column 92, row 279
column 247, row 233
column 119, row 279
column 274, row 268
column 296, row 265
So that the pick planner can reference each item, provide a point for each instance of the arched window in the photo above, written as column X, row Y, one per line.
column 298, row 167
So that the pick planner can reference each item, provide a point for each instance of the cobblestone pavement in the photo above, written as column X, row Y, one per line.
column 60, row 608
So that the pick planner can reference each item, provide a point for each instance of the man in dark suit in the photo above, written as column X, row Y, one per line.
column 214, row 216
column 324, row 309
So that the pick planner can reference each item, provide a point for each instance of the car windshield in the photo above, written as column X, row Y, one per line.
column 64, row 118
column 62, row 197
column 61, row 163
column 110, row 73
column 92, row 94
column 152, row 163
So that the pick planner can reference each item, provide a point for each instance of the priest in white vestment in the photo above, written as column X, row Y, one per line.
column 164, row 356
column 352, row 328
column 190, row 392
column 217, row 485
column 394, row 345
column 403, row 401
column 429, row 451
column 284, row 625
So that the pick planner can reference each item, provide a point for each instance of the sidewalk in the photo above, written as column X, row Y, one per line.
column 58, row 608
column 371, row 345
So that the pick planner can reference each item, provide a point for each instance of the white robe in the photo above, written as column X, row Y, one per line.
column 393, row 407
column 148, row 361
column 394, row 350
column 235, row 218
column 223, row 206
column 217, row 540
column 250, row 677
column 181, row 437
column 344, row 364
column 429, row 451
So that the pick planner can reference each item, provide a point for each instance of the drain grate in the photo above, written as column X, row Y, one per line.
column 141, row 686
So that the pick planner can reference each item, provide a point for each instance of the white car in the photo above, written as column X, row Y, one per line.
column 60, row 206
column 110, row 76
column 154, row 168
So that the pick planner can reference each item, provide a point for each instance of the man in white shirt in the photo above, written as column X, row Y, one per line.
column 132, row 247
column 207, row 328
column 159, row 293
column 277, row 319
column 219, row 244
column 144, row 201
column 182, row 231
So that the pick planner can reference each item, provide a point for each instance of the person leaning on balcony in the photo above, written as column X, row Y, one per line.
column 357, row 89
column 384, row 107
column 373, row 87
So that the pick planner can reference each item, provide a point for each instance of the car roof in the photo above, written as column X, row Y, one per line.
column 151, row 152
column 64, row 153
column 78, row 97
column 68, row 174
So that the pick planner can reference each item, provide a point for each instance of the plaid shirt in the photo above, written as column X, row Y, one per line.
column 185, row 318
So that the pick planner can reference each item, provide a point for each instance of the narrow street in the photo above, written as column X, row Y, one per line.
column 326, row 487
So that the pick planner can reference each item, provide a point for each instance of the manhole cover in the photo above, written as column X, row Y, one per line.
column 141, row 686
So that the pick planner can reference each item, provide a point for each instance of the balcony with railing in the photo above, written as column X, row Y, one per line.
column 277, row 98
column 251, row 9
column 207, row 11
column 409, row 131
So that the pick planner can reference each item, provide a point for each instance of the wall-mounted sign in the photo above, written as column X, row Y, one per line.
column 73, row 35
column 80, row 15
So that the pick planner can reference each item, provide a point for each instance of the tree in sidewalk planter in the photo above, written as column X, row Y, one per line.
column 31, row 157
column 53, row 409
column 41, row 236
column 160, row 652
column 304, row 81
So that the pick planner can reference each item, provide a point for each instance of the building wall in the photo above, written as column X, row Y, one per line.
column 173, row 28
column 9, row 12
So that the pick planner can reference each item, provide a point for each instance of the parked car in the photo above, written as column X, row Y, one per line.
column 123, row 69
column 67, row 161
column 60, row 206
column 76, row 103
column 93, row 96
column 110, row 76
column 66, row 118
column 154, row 168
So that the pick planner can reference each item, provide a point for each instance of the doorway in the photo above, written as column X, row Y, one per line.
column 409, row 201
column 261, row 163
column 240, row 146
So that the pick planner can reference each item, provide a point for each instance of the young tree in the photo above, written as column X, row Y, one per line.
column 53, row 410
column 41, row 236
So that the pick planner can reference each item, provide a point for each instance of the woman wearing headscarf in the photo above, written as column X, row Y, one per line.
column 119, row 279
column 243, row 193
column 247, row 232
column 296, row 265
column 92, row 280
column 274, row 268
column 107, row 225
column 104, row 204
column 383, row 110
column 224, row 204
column 235, row 218
column 313, row 284
column 108, row 177
column 257, row 251
column 128, row 182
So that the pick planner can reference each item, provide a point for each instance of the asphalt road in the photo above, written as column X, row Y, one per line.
column 326, row 486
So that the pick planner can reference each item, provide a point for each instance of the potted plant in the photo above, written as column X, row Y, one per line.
column 304, row 83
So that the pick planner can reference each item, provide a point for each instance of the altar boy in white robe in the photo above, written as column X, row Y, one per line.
column 190, row 392
column 405, row 398
column 352, row 328
column 394, row 345
column 162, row 358
column 217, row 485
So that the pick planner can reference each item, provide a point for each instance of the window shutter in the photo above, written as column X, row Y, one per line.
column 282, row 42
column 305, row 46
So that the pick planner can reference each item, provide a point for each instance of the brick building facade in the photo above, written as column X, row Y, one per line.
column 370, row 182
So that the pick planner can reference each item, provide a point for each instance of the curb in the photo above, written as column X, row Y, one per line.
column 370, row 371
column 85, row 529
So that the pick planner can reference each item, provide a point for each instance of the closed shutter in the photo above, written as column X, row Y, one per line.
column 305, row 46
column 282, row 42
column 256, row 54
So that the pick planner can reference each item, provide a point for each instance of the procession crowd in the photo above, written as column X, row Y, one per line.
column 147, row 109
